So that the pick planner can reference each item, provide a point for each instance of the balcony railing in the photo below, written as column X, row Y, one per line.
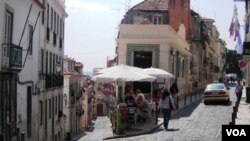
column 53, row 80
column 11, row 57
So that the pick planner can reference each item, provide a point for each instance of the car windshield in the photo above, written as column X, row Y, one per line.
column 215, row 86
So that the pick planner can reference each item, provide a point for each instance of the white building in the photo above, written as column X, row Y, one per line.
column 32, row 36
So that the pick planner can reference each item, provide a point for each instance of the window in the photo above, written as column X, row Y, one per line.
column 30, row 47
column 50, row 63
column 56, row 106
column 49, row 108
column 53, row 109
column 46, row 116
column 41, row 113
column 42, row 61
column 48, row 29
column 8, row 105
column 60, row 29
column 43, row 17
column 29, row 111
column 51, row 19
column 143, row 59
column 46, row 63
column 54, row 64
column 47, row 15
column 57, row 25
column 157, row 20
column 54, row 21
column 8, row 27
column 63, row 30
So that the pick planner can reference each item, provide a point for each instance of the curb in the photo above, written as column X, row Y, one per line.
column 135, row 134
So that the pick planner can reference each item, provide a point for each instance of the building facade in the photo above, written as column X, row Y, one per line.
column 150, row 37
column 31, row 57
column 73, row 94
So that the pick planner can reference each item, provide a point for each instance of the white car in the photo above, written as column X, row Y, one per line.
column 216, row 92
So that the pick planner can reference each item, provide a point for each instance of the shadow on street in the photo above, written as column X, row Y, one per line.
column 187, row 111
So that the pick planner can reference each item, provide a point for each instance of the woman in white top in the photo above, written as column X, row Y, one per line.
column 165, row 105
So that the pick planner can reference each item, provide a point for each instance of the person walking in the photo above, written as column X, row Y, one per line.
column 166, row 104
column 238, row 90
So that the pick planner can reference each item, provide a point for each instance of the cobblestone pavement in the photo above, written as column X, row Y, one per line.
column 197, row 122
column 102, row 129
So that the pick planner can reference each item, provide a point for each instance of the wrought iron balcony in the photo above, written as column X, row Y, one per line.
column 11, row 57
column 54, row 80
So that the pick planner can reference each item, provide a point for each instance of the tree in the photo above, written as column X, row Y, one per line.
column 232, row 63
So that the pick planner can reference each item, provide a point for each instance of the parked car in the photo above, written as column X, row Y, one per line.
column 216, row 92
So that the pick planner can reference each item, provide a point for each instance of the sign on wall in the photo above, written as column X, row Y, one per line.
column 246, row 50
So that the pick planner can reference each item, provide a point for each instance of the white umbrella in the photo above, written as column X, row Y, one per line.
column 119, row 67
column 123, row 73
column 159, row 73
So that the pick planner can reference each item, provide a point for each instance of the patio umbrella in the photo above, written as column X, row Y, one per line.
column 119, row 67
column 159, row 73
column 122, row 73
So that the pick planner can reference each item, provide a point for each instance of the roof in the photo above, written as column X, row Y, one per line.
column 78, row 64
column 67, row 72
column 161, row 5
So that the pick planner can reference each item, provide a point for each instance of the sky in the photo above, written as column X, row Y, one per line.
column 92, row 26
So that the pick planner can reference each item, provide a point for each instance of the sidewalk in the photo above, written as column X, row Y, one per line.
column 243, row 114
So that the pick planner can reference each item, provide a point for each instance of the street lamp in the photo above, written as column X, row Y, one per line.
column 58, row 67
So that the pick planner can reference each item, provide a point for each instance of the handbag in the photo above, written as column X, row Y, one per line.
column 171, row 107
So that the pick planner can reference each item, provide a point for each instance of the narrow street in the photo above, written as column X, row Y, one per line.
column 102, row 129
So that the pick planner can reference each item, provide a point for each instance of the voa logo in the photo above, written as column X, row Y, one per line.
column 236, row 132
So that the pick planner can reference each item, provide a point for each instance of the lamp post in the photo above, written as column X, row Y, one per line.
column 58, row 80
column 58, row 67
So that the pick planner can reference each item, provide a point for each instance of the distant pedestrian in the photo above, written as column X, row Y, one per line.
column 166, row 104
column 238, row 90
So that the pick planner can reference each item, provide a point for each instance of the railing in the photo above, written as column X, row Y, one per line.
column 54, row 80
column 11, row 57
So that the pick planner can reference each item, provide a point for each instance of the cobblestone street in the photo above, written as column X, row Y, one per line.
column 197, row 122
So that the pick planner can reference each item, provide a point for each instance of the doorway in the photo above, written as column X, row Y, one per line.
column 142, row 59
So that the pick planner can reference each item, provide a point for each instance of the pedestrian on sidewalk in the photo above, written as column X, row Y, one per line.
column 166, row 104
column 238, row 90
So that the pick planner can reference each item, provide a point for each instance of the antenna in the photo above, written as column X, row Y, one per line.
column 127, row 5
